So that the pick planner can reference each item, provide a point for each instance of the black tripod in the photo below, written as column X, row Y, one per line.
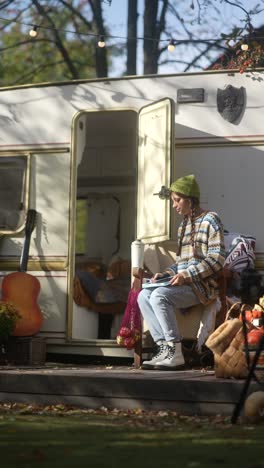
column 251, row 371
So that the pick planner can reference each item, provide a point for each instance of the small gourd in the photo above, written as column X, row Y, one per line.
column 254, row 407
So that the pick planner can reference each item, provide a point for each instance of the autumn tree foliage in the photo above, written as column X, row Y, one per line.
column 245, row 54
column 66, row 46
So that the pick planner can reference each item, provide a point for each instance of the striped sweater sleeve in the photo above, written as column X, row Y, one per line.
column 209, row 243
column 212, row 260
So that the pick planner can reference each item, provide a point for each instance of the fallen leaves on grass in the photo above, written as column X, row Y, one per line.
column 136, row 416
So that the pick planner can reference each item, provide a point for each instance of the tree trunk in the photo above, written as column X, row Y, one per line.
column 100, row 52
column 153, row 28
column 131, row 38
column 150, row 43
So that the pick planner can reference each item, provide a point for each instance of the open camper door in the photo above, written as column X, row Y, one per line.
column 155, row 153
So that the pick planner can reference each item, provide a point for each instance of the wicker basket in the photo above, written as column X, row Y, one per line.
column 232, row 363
column 221, row 338
column 227, row 345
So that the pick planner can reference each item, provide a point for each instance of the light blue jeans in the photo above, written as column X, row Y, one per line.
column 158, row 305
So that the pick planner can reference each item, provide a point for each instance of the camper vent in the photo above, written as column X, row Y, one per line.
column 190, row 95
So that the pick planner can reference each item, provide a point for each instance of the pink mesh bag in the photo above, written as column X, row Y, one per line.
column 130, row 329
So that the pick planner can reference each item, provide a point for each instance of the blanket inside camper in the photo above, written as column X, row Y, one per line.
column 108, row 295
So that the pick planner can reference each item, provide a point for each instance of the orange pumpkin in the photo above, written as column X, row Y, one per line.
column 254, row 336
column 257, row 313
column 248, row 315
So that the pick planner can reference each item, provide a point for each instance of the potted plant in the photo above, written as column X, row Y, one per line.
column 9, row 316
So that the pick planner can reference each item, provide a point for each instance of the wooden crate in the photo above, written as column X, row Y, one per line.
column 28, row 350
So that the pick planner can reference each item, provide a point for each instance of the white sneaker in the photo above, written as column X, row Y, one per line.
column 173, row 360
column 161, row 353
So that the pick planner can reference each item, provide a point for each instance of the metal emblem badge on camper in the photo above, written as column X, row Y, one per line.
column 230, row 102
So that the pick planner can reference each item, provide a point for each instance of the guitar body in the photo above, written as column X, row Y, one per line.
column 22, row 290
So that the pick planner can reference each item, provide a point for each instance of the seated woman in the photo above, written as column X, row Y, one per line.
column 193, row 277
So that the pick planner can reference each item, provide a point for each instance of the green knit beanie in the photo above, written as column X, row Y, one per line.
column 187, row 186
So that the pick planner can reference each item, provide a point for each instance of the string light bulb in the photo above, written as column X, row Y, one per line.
column 171, row 45
column 101, row 42
column 34, row 31
column 244, row 47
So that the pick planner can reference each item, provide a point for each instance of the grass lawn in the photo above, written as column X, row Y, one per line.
column 47, row 437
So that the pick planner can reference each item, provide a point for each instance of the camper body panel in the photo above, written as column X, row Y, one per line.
column 42, row 115
column 82, row 138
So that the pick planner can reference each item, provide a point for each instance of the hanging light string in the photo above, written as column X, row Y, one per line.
column 172, row 42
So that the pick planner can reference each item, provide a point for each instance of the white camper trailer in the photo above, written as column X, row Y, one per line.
column 91, row 156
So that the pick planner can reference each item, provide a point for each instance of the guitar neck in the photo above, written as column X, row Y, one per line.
column 30, row 224
column 24, row 256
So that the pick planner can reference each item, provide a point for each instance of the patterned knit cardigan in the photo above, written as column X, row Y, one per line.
column 201, row 271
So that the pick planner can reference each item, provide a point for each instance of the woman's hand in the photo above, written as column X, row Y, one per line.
column 156, row 276
column 177, row 280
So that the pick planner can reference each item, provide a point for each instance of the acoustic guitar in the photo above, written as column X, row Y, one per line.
column 22, row 289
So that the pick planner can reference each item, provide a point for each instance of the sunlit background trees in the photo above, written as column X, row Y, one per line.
column 64, row 43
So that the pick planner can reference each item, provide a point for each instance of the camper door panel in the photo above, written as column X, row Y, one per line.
column 53, row 300
column 155, row 146
column 50, row 189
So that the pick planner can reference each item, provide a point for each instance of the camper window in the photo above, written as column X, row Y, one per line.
column 13, row 176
